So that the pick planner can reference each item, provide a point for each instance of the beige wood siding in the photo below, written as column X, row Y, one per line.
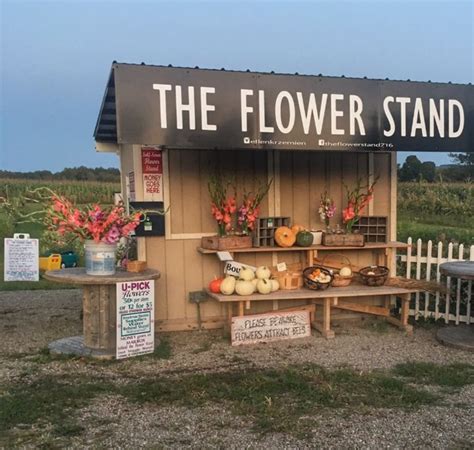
column 299, row 180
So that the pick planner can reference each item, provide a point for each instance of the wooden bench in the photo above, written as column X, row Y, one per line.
column 339, row 298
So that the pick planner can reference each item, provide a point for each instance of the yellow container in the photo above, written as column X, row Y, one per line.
column 51, row 262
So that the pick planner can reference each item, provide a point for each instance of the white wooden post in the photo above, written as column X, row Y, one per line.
column 448, row 284
column 418, row 276
column 438, row 277
column 428, row 275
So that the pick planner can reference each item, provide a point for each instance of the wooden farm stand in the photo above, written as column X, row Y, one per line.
column 174, row 127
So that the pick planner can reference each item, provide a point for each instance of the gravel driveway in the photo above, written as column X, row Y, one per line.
column 29, row 320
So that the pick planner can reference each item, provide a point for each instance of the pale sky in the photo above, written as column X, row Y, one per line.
column 56, row 56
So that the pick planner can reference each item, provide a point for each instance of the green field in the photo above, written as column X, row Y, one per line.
column 436, row 211
column 441, row 211
column 79, row 192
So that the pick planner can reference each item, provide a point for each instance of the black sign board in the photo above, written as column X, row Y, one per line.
column 154, row 223
column 206, row 109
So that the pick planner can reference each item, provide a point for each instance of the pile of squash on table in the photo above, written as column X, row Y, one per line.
column 297, row 234
column 248, row 283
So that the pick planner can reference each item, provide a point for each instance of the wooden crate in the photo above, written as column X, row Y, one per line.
column 343, row 240
column 265, row 230
column 136, row 266
column 226, row 242
column 374, row 228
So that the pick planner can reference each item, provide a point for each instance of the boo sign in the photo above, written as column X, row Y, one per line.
column 212, row 109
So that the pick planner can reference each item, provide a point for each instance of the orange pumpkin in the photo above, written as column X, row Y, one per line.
column 215, row 285
column 284, row 237
column 297, row 228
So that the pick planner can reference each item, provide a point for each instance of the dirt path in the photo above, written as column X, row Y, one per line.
column 132, row 403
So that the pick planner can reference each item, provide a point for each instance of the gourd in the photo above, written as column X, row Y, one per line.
column 228, row 285
column 275, row 285
column 297, row 228
column 254, row 282
column 284, row 237
column 263, row 272
column 243, row 287
column 246, row 274
column 345, row 272
column 215, row 285
column 304, row 239
column 264, row 286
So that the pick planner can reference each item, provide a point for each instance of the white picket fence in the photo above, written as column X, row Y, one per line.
column 456, row 304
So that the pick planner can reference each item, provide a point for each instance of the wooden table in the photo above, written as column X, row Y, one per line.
column 99, row 304
column 333, row 297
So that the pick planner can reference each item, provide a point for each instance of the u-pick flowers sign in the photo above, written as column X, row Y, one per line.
column 214, row 109
column 135, row 318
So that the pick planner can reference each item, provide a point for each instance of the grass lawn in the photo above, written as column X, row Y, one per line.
column 435, row 228
column 277, row 400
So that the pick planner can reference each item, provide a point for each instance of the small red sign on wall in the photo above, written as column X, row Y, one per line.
column 152, row 161
column 152, row 170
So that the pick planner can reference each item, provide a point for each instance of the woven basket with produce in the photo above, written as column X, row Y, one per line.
column 317, row 278
column 344, row 275
column 374, row 275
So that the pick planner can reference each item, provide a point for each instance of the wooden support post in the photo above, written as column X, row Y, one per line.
column 241, row 309
column 325, row 327
column 247, row 304
column 99, row 317
column 405, row 309
column 230, row 306
column 403, row 321
column 275, row 305
column 309, row 258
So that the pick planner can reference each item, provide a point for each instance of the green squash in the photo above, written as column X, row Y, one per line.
column 304, row 239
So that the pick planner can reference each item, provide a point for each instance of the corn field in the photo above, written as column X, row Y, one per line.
column 79, row 192
column 443, row 199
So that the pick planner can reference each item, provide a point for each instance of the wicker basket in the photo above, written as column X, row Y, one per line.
column 340, row 281
column 374, row 275
column 316, row 285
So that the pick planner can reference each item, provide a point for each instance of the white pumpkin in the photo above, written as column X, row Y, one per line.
column 263, row 272
column 254, row 282
column 345, row 272
column 264, row 286
column 228, row 285
column 246, row 274
column 275, row 285
column 243, row 287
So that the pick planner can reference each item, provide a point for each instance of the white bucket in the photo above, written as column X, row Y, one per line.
column 100, row 258
column 317, row 237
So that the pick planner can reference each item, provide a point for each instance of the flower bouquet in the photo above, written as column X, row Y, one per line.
column 327, row 209
column 357, row 200
column 250, row 209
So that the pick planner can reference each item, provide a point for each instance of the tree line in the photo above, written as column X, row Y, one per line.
column 81, row 173
column 461, row 170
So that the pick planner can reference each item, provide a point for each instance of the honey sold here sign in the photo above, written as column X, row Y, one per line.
column 275, row 326
column 152, row 169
